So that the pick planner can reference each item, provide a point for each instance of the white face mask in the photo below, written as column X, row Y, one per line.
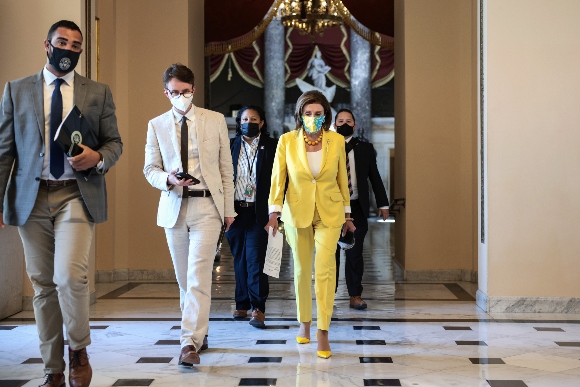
column 181, row 102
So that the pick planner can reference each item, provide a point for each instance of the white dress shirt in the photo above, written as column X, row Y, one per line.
column 193, row 167
column 248, row 156
column 67, row 91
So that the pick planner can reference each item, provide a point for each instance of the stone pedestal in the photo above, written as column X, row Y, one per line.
column 383, row 139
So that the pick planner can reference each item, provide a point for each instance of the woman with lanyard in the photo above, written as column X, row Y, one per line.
column 253, row 152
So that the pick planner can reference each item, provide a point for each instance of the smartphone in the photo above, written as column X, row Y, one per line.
column 186, row 176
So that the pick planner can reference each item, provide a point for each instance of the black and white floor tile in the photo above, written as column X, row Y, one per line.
column 411, row 335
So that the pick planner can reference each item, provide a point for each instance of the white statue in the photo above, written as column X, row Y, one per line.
column 317, row 70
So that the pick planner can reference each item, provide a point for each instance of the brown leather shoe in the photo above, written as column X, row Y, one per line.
column 53, row 380
column 80, row 371
column 188, row 356
column 258, row 318
column 357, row 303
column 204, row 346
column 240, row 313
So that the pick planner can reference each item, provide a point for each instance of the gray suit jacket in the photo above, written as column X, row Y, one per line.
column 163, row 155
column 22, row 144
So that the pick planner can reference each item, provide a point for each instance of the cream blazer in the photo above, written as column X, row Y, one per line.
column 163, row 155
column 328, row 193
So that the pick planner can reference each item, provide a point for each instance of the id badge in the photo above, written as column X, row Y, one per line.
column 249, row 192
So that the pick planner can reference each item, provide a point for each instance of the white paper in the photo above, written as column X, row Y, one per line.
column 273, row 254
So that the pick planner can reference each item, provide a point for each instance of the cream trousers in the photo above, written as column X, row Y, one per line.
column 192, row 244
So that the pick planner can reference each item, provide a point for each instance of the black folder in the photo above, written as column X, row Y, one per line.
column 73, row 130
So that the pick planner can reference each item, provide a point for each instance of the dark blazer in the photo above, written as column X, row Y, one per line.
column 264, row 163
column 365, row 160
column 22, row 144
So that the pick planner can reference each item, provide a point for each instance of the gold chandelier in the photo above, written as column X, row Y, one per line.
column 310, row 16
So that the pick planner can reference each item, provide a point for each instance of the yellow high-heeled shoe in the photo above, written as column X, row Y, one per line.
column 302, row 340
column 324, row 354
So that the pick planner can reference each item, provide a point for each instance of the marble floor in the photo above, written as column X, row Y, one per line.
column 412, row 334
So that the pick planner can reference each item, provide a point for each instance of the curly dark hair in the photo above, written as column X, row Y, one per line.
column 260, row 112
column 311, row 97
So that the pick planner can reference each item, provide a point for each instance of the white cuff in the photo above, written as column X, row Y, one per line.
column 347, row 209
column 274, row 208
column 100, row 167
column 384, row 208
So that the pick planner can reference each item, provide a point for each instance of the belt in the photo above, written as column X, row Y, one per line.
column 199, row 193
column 57, row 183
column 243, row 204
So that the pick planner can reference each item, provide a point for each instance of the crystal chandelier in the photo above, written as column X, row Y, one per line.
column 310, row 16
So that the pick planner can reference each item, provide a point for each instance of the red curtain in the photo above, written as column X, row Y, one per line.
column 333, row 45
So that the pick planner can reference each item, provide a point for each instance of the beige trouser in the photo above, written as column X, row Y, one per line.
column 192, row 243
column 303, row 241
column 57, row 239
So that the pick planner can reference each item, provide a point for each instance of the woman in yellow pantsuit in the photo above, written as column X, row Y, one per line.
column 316, row 207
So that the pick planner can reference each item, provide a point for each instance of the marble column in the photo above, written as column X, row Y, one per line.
column 274, row 75
column 360, row 82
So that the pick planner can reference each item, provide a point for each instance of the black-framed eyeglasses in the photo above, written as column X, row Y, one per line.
column 175, row 93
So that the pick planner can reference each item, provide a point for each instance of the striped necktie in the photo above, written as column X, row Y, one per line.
column 348, row 174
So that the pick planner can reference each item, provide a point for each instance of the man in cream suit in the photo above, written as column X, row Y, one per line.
column 54, row 200
column 195, row 141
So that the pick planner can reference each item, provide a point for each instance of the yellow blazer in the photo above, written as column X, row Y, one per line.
column 328, row 192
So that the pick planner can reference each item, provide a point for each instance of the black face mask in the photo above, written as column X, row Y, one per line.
column 345, row 129
column 64, row 61
column 250, row 129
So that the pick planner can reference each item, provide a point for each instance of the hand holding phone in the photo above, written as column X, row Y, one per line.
column 186, row 176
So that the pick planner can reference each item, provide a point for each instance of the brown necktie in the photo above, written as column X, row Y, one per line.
column 184, row 151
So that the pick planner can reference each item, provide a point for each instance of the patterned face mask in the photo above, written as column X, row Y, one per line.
column 312, row 124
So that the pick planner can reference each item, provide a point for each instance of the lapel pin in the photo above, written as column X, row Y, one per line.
column 262, row 147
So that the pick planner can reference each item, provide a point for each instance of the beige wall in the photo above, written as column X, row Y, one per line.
column 436, row 124
column 24, row 25
column 533, row 92
column 136, row 47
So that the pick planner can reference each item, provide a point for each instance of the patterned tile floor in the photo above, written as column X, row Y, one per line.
column 411, row 335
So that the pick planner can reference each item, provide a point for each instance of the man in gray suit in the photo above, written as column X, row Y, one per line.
column 55, row 200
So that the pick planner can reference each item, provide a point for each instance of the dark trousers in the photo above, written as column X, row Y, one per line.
column 248, row 242
column 354, row 265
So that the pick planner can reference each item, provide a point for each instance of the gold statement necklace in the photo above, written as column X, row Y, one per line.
column 309, row 142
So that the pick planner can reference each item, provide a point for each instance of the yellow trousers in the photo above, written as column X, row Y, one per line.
column 303, row 241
